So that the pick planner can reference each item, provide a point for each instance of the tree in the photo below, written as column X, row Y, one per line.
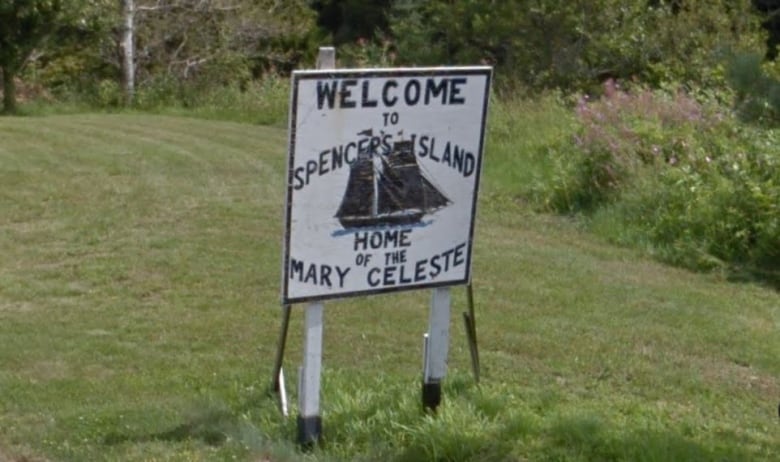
column 576, row 44
column 127, row 47
column 771, row 16
column 350, row 20
column 23, row 25
column 210, row 41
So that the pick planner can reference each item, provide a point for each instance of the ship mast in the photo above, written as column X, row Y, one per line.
column 375, row 202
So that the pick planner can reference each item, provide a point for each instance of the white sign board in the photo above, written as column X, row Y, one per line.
column 382, row 181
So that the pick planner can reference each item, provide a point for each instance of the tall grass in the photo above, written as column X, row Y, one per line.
column 262, row 101
column 521, row 133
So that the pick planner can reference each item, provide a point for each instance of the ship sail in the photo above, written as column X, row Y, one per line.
column 358, row 199
column 401, row 187
column 393, row 191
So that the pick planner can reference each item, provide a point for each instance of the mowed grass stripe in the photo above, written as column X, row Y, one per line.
column 639, row 306
column 232, row 138
column 104, row 297
column 107, row 192
column 141, row 134
column 107, row 200
column 139, row 279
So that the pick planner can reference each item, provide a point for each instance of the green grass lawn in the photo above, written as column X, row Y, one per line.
column 139, row 285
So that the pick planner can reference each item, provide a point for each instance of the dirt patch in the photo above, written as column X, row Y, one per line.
column 745, row 377
column 739, row 377
column 17, row 307
column 7, row 456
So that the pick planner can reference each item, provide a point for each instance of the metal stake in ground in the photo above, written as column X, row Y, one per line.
column 277, row 383
column 436, row 348
column 470, row 321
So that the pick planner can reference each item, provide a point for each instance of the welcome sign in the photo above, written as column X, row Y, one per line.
column 382, row 179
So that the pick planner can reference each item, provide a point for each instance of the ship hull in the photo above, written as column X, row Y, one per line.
column 381, row 220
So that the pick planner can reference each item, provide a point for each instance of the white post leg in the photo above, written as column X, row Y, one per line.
column 436, row 348
column 309, row 420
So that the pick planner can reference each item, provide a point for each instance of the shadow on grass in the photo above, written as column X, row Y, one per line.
column 767, row 276
column 487, row 430
column 578, row 438
column 218, row 425
column 212, row 425
column 589, row 438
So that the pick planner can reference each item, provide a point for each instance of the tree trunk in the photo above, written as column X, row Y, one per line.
column 9, row 90
column 127, row 48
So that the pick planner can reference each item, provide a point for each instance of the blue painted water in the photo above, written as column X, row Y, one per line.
column 346, row 231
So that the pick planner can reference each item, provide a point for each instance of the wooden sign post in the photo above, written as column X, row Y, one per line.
column 382, row 181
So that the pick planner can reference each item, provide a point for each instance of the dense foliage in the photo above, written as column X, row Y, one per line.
column 669, row 173
column 574, row 44
column 182, row 46
column 23, row 24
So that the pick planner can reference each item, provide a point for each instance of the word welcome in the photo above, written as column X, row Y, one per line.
column 361, row 93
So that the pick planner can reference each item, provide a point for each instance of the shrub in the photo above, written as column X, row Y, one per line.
column 757, row 91
column 622, row 136
column 721, row 214
column 669, row 173
column 565, row 44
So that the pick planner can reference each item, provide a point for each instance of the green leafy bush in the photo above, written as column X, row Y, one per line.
column 574, row 45
column 756, row 87
column 682, row 178
column 718, row 215
column 622, row 136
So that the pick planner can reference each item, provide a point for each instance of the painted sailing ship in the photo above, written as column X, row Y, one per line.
column 388, row 190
